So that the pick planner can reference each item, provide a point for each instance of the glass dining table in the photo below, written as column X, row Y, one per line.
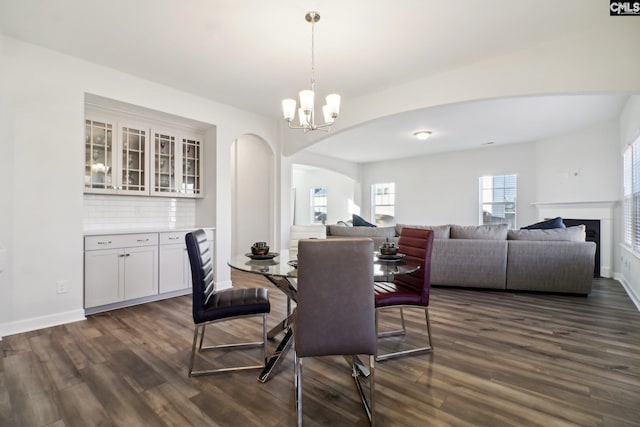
column 282, row 272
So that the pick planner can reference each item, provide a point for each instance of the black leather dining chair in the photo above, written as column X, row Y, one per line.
column 335, row 314
column 211, row 306
column 408, row 290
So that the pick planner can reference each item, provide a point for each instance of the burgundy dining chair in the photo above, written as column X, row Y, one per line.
column 408, row 290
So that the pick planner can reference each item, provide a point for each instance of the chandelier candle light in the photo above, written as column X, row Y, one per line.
column 306, row 110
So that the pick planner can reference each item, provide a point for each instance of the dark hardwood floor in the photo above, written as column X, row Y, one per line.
column 500, row 359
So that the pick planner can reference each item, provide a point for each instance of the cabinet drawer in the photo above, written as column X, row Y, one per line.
column 110, row 241
column 172, row 238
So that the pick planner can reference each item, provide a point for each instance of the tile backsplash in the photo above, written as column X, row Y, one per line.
column 125, row 212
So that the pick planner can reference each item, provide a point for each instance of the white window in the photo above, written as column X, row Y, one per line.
column 498, row 200
column 631, row 196
column 319, row 205
column 383, row 198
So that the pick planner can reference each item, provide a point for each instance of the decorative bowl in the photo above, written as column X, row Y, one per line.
column 259, row 251
column 388, row 250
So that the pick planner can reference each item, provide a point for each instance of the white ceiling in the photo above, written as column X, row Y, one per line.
column 252, row 53
column 470, row 125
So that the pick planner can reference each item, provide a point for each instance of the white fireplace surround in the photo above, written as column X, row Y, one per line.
column 601, row 210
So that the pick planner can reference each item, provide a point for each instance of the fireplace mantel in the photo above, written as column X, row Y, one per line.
column 608, row 204
column 602, row 210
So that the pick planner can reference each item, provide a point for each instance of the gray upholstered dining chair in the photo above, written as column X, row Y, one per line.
column 211, row 306
column 335, row 313
column 408, row 290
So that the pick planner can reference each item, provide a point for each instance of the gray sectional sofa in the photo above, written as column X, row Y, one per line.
column 492, row 256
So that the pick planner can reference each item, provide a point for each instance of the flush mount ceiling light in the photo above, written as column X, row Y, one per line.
column 422, row 135
column 306, row 111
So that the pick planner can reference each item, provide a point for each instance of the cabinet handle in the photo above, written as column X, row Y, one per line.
column 143, row 240
column 174, row 238
column 104, row 243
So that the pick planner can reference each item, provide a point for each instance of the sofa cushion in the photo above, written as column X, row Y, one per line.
column 545, row 225
column 571, row 234
column 358, row 221
column 551, row 267
column 481, row 232
column 469, row 263
column 439, row 231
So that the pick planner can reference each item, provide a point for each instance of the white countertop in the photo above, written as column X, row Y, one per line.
column 137, row 230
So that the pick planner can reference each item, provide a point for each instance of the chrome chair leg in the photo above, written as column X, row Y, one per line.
column 202, row 337
column 264, row 339
column 297, row 383
column 395, row 332
column 426, row 349
column 244, row 345
column 369, row 404
column 193, row 349
column 372, row 389
column 426, row 311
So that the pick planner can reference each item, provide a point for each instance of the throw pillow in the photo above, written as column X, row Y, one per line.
column 358, row 221
column 546, row 225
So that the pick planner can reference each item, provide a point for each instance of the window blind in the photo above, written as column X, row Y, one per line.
column 498, row 199
column 631, row 195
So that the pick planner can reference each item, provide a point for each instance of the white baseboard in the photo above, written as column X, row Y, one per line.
column 34, row 323
column 635, row 298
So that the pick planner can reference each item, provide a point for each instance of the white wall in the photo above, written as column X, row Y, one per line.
column 253, row 193
column 340, row 193
column 7, row 133
column 443, row 188
column 581, row 166
column 626, row 262
column 42, row 167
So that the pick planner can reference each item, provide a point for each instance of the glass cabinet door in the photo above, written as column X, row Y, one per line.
column 191, row 167
column 127, row 156
column 133, row 166
column 164, row 177
column 99, row 156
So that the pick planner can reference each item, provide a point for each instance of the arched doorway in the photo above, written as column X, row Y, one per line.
column 252, row 163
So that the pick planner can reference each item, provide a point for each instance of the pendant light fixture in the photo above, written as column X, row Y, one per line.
column 306, row 112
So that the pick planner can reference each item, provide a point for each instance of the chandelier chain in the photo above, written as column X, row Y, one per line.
column 313, row 58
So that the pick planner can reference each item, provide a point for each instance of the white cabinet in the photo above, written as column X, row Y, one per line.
column 177, row 164
column 131, row 155
column 116, row 156
column 132, row 268
column 140, row 272
column 175, row 270
column 120, row 267
column 100, row 158
column 103, row 277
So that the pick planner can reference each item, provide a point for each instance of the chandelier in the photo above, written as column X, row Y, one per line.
column 306, row 112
